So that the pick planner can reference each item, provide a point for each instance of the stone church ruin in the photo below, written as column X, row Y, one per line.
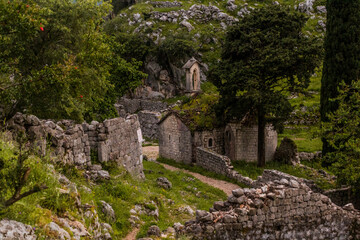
column 237, row 141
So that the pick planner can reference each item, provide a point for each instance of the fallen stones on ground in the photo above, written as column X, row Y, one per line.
column 164, row 183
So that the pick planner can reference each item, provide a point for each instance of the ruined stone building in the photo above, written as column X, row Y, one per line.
column 192, row 69
column 238, row 141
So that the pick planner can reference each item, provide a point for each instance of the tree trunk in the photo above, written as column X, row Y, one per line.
column 261, row 137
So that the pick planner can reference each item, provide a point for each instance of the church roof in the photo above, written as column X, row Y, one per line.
column 190, row 63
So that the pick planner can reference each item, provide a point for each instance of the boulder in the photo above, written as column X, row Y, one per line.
column 10, row 229
column 108, row 211
column 164, row 183
column 58, row 231
column 154, row 231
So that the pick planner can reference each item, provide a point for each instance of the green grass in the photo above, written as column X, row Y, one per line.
column 198, row 169
column 306, row 137
column 251, row 170
column 122, row 192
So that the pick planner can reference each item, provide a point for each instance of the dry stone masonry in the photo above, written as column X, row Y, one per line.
column 219, row 164
column 279, row 209
column 116, row 140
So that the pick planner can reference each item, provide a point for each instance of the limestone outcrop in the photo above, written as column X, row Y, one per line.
column 10, row 229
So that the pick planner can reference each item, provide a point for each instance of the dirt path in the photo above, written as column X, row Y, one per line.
column 132, row 234
column 153, row 152
column 222, row 185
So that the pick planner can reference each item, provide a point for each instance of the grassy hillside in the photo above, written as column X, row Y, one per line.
column 123, row 192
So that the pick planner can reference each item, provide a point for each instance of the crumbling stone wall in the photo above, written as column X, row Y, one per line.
column 149, row 112
column 276, row 210
column 149, row 123
column 175, row 140
column 116, row 140
column 69, row 142
column 132, row 106
column 220, row 164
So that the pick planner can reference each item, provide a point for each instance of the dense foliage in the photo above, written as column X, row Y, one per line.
column 342, row 50
column 56, row 61
column 342, row 132
column 265, row 58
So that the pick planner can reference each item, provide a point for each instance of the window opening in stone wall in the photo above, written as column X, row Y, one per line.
column 169, row 138
column 210, row 143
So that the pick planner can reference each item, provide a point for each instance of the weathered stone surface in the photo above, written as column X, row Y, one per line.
column 10, row 229
column 164, row 182
column 58, row 231
column 108, row 211
column 154, row 231
column 149, row 123
column 116, row 140
column 290, row 211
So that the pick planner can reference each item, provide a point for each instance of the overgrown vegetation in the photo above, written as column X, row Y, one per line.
column 250, row 169
column 264, row 59
column 122, row 192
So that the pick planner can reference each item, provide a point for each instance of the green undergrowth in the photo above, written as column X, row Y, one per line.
column 306, row 138
column 198, row 169
column 122, row 192
column 251, row 170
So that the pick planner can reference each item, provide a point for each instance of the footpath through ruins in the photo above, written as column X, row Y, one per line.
column 152, row 152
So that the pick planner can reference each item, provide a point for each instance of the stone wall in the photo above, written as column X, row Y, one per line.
column 175, row 140
column 69, row 142
column 220, row 164
column 116, row 139
column 276, row 210
column 149, row 112
column 149, row 123
column 202, row 138
column 132, row 106
column 247, row 140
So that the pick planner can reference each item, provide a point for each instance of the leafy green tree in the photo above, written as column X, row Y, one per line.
column 58, row 63
column 266, row 56
column 342, row 132
column 342, row 51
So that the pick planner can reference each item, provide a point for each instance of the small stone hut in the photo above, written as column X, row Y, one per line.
column 238, row 141
column 192, row 69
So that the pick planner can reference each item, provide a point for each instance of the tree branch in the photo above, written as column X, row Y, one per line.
column 15, row 198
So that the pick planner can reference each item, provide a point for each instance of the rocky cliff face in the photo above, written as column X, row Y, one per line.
column 203, row 25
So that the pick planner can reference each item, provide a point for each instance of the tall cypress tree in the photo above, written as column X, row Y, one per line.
column 342, row 54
